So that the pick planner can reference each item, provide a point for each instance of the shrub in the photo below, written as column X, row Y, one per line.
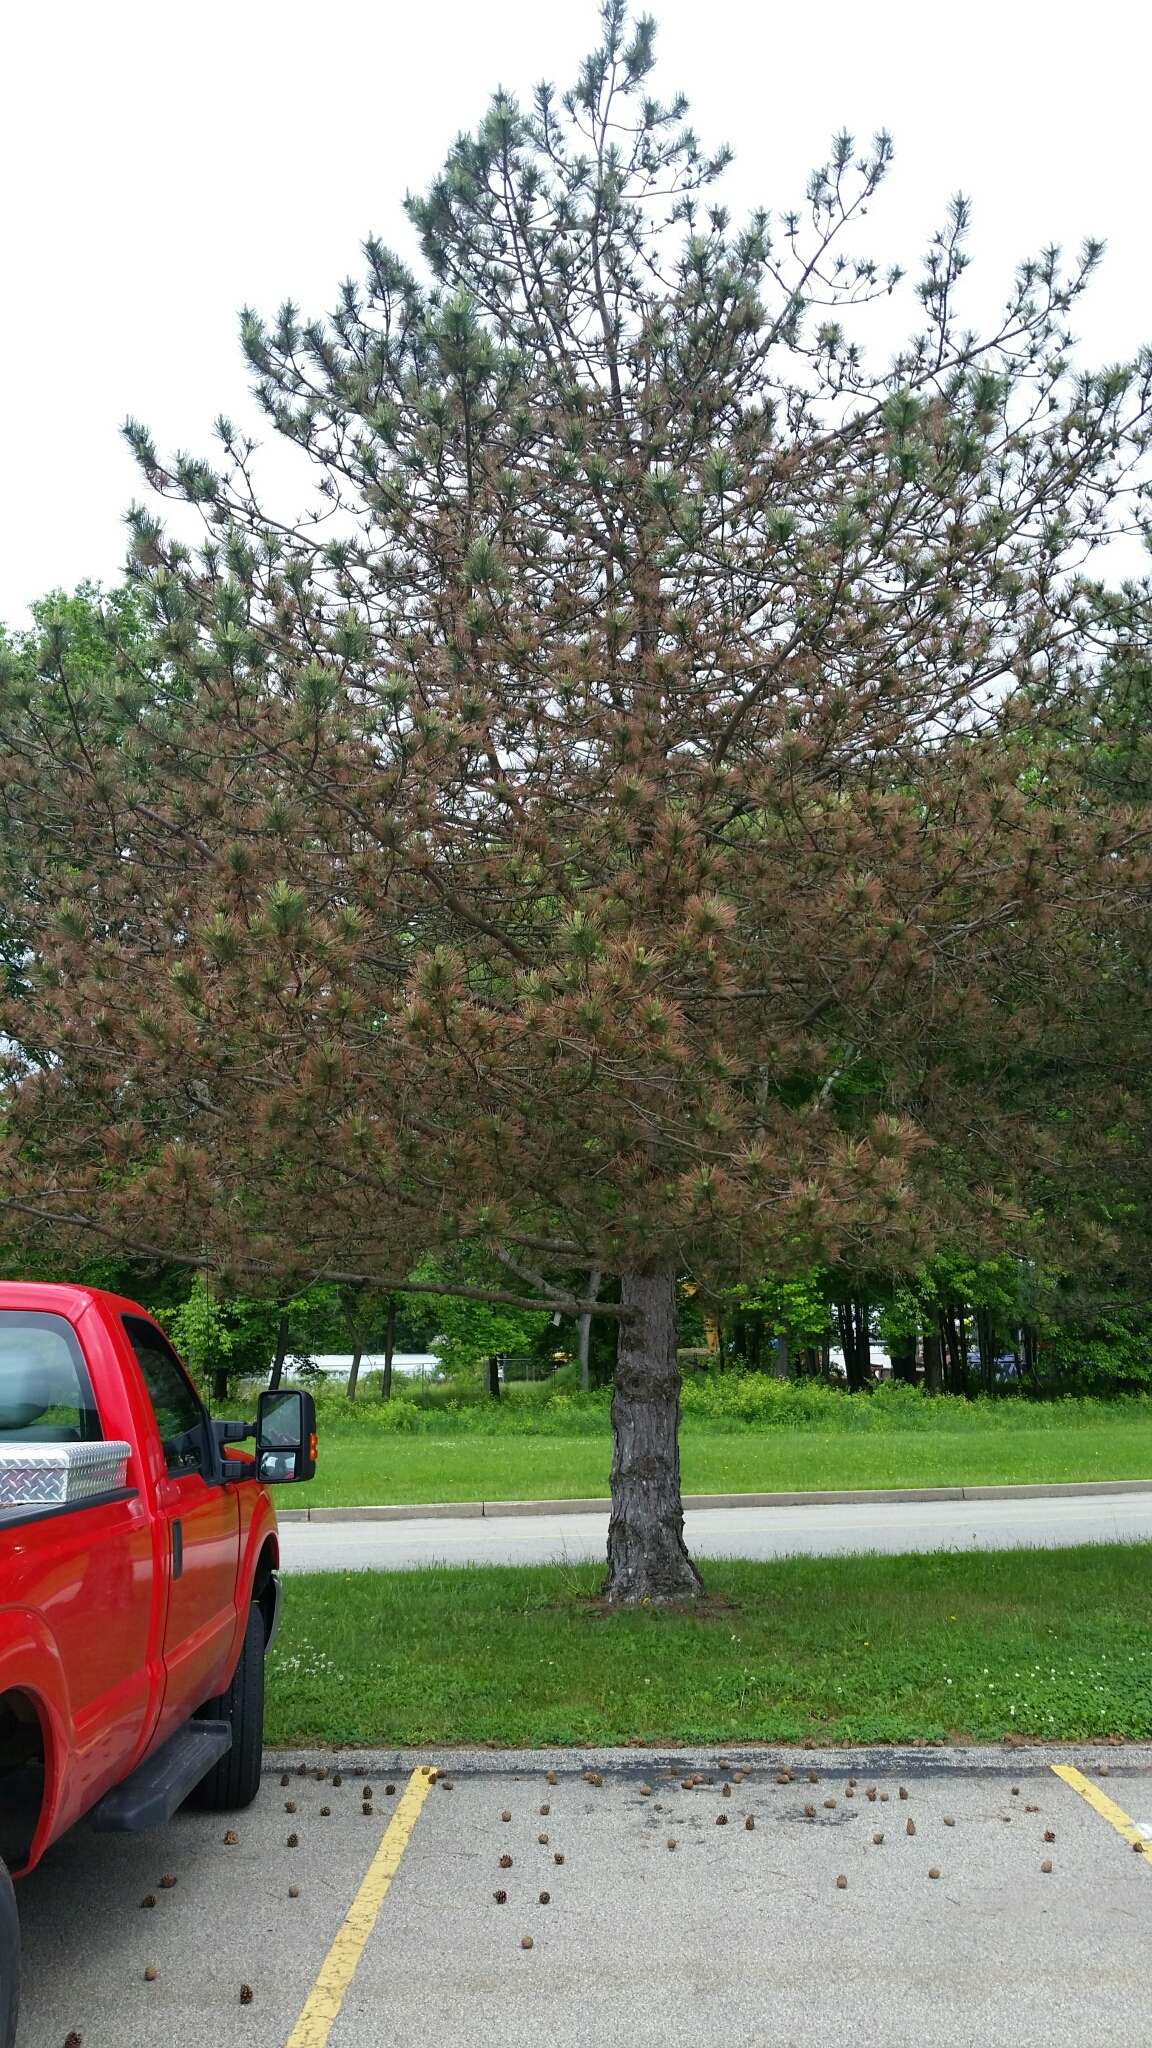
column 716, row 1402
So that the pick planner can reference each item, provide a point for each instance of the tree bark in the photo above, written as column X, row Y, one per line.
column 847, row 1338
column 962, row 1347
column 647, row 1560
column 933, row 1371
column 354, row 1374
column 584, row 1331
column 1028, row 1339
column 855, row 1344
column 950, row 1338
column 389, row 1348
column 492, row 1376
column 904, row 1366
column 984, row 1339
column 863, row 1349
column 277, row 1372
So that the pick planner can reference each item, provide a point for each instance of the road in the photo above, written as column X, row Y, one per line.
column 726, row 1532
column 626, row 1917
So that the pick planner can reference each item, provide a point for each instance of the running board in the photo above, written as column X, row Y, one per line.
column 163, row 1781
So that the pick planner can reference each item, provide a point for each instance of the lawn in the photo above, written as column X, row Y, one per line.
column 1048, row 1644
column 439, row 1467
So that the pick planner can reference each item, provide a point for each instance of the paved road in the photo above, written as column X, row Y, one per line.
column 727, row 1532
column 736, row 1934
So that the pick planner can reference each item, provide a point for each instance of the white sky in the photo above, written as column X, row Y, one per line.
column 160, row 165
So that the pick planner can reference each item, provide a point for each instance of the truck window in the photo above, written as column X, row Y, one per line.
column 45, row 1393
column 175, row 1402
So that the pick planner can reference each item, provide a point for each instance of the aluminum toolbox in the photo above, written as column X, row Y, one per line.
column 60, row 1475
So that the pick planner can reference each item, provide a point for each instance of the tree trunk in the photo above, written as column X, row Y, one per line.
column 904, row 1365
column 220, row 1383
column 854, row 1342
column 584, row 1331
column 984, row 1339
column 954, row 1377
column 863, row 1359
column 847, row 1338
column 647, row 1561
column 933, row 1370
column 957, row 1328
column 354, row 1375
column 1028, row 1338
column 492, row 1376
column 389, row 1348
column 277, row 1372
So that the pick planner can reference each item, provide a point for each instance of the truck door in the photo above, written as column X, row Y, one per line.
column 89, row 1572
column 201, row 1531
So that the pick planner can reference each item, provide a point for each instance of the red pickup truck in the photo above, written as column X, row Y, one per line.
column 139, row 1588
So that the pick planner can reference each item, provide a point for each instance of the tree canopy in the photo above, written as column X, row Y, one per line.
column 629, row 825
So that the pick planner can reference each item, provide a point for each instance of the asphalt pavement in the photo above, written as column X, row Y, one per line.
column 798, row 1930
column 754, row 1532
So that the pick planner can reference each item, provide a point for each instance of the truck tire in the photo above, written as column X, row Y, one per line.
column 9, row 1961
column 235, row 1780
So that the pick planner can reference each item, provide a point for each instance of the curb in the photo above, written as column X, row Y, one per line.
column 908, row 1760
column 489, row 1510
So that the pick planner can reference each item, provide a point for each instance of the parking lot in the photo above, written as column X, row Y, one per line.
column 867, row 1899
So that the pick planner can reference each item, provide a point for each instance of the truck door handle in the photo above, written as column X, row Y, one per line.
column 177, row 1549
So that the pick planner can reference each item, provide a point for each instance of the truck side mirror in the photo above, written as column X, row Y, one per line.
column 285, row 1436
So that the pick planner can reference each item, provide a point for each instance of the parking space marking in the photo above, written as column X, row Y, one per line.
column 321, row 2008
column 1105, row 1807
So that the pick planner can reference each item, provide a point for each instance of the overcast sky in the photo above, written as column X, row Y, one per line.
column 163, row 165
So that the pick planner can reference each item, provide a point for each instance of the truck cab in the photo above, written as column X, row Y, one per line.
column 139, row 1579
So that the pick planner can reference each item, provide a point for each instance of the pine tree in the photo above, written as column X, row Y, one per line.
column 620, row 830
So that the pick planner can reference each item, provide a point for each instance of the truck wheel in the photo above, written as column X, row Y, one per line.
column 235, row 1780
column 9, row 1961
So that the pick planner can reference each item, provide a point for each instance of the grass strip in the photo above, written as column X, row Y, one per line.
column 358, row 1471
column 1049, row 1644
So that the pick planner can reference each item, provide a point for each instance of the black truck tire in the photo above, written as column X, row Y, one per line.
column 9, row 1961
column 235, row 1780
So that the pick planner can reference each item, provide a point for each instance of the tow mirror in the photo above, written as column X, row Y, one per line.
column 285, row 1436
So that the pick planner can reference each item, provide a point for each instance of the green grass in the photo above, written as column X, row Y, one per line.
column 1049, row 1644
column 393, row 1467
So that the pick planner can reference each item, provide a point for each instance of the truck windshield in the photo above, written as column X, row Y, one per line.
column 45, row 1395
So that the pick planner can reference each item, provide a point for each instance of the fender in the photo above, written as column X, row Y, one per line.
column 30, row 1663
column 259, row 1549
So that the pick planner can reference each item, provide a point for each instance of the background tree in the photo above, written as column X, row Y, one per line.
column 467, row 1333
column 623, row 830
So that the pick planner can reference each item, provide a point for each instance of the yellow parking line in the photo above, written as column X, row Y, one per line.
column 1105, row 1807
column 322, row 2005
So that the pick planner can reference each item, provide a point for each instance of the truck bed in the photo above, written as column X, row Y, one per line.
column 15, row 1518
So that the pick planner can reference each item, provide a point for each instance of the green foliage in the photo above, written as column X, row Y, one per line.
column 200, row 1331
column 218, row 1332
column 464, row 1332
column 796, row 1308
column 1113, row 1356
column 1002, row 1287
column 716, row 1401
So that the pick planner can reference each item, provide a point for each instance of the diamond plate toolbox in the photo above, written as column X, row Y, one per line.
column 60, row 1475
